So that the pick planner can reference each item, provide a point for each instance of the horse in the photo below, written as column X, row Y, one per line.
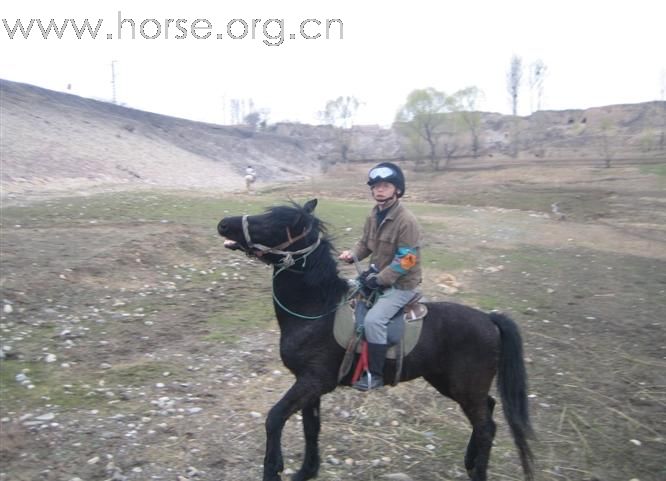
column 460, row 351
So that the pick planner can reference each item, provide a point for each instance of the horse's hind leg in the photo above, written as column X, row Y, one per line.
column 311, row 428
column 480, row 415
column 479, row 411
column 472, row 452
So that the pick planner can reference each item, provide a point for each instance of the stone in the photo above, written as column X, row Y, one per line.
column 397, row 477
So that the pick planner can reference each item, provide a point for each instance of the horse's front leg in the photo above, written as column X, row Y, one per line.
column 299, row 395
column 311, row 428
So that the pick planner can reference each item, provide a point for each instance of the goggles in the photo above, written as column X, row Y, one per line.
column 381, row 173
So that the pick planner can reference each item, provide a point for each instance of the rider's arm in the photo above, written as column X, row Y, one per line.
column 406, row 256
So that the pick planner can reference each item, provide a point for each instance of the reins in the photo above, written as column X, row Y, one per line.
column 296, row 314
column 288, row 261
column 303, row 316
column 344, row 300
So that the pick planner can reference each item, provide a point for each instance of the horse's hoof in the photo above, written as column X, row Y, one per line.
column 303, row 476
column 308, row 470
column 272, row 477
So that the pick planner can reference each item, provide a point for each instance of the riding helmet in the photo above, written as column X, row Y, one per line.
column 387, row 172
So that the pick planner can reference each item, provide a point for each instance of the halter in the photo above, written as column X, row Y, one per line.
column 288, row 261
column 279, row 249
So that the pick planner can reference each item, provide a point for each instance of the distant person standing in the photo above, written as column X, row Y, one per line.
column 250, row 177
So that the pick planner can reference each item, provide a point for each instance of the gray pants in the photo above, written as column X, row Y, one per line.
column 377, row 318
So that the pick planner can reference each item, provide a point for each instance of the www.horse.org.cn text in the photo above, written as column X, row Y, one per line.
column 272, row 32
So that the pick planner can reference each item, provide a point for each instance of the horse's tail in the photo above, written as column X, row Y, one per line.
column 512, row 386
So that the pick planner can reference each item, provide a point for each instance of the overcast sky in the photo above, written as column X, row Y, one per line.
column 596, row 53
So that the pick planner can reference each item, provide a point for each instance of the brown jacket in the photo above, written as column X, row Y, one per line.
column 394, row 245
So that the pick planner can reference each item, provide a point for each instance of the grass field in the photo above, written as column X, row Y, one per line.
column 136, row 345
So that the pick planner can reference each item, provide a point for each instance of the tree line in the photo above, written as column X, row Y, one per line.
column 437, row 125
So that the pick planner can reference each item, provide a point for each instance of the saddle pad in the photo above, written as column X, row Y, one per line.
column 344, row 330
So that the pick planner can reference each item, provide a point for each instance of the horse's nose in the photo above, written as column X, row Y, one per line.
column 223, row 227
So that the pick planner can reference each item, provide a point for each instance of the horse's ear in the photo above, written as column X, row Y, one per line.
column 310, row 206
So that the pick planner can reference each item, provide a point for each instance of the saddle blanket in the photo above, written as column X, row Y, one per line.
column 404, row 329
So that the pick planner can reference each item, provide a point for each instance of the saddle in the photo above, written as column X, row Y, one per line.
column 404, row 331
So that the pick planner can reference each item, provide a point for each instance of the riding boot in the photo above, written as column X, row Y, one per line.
column 376, row 358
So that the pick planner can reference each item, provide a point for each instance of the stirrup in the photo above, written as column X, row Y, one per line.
column 368, row 382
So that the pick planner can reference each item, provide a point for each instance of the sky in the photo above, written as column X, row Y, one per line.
column 596, row 53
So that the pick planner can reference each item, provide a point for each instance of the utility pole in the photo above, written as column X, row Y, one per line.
column 113, row 81
column 662, row 137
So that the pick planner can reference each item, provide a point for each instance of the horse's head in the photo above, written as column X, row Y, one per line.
column 275, row 235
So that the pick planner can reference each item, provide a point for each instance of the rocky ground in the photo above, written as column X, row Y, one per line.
column 135, row 347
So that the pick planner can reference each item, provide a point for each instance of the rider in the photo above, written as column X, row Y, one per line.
column 391, row 236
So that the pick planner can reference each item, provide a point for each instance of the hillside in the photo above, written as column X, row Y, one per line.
column 56, row 141
column 634, row 132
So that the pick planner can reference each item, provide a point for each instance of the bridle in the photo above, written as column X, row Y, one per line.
column 288, row 256
column 287, row 261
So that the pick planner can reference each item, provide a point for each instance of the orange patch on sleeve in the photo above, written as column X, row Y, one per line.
column 408, row 261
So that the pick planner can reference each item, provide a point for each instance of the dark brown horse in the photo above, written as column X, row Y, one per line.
column 459, row 352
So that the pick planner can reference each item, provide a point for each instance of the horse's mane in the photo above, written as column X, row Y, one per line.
column 319, row 269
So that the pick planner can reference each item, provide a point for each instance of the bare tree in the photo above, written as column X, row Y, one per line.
column 255, row 119
column 235, row 111
column 239, row 109
column 340, row 113
column 513, row 80
column 422, row 119
column 465, row 102
column 450, row 139
column 252, row 119
column 605, row 147
column 537, row 75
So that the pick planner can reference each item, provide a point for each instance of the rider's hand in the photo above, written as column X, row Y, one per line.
column 364, row 275
column 370, row 282
column 346, row 256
